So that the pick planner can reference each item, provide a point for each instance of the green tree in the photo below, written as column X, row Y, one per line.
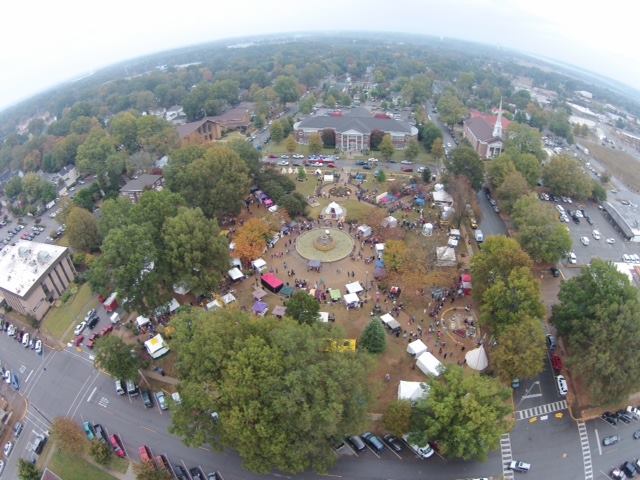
column 529, row 166
column 513, row 188
column 27, row 470
column 395, row 255
column 114, row 213
column 426, row 175
column 465, row 161
column 277, row 133
column 437, row 148
column 375, row 139
column 272, row 384
column 303, row 307
column 117, row 358
column 247, row 152
column 148, row 471
column 412, row 150
column 380, row 176
column 505, row 302
column 286, row 89
column 522, row 138
column 124, row 130
column 13, row 188
column 328, row 138
column 100, row 452
column 498, row 169
column 373, row 338
column 598, row 192
column 82, row 230
column 291, row 144
column 397, row 417
column 302, row 174
column 464, row 414
column 386, row 147
column 451, row 109
column 217, row 183
column 315, row 144
column 597, row 315
column 563, row 175
column 540, row 232
column 93, row 153
column 521, row 351
column 194, row 251
column 429, row 133
column 499, row 255
column 306, row 104
column 69, row 435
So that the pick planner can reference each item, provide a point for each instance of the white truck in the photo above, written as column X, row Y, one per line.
column 479, row 236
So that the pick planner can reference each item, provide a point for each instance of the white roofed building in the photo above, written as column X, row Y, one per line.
column 33, row 275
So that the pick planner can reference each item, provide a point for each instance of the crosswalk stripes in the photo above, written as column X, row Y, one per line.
column 507, row 457
column 541, row 410
column 586, row 451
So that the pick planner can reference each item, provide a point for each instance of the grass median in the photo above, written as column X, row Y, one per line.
column 73, row 467
column 58, row 321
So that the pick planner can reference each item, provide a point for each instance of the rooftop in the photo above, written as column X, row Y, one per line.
column 22, row 264
column 359, row 119
column 481, row 124
column 139, row 184
column 627, row 217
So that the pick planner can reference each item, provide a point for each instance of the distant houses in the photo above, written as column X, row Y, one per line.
column 212, row 128
column 134, row 188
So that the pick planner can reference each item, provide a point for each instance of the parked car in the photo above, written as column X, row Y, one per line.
column 25, row 340
column 562, row 385
column 88, row 430
column 181, row 473
column 356, row 442
column 162, row 401
column 551, row 342
column 393, row 442
column 79, row 328
column 596, row 235
column 629, row 469
column 92, row 340
column 38, row 347
column 572, row 258
column 17, row 429
column 8, row 448
column 521, row 467
column 610, row 440
column 145, row 454
column 611, row 240
column 78, row 341
column 584, row 241
column 407, row 169
column 116, row 444
column 554, row 271
column 146, row 398
column 624, row 416
column 101, row 434
column 556, row 363
column 196, row 473
column 373, row 441
column 423, row 452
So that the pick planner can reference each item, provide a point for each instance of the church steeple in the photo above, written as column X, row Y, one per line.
column 497, row 128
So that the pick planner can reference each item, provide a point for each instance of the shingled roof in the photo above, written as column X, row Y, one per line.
column 359, row 119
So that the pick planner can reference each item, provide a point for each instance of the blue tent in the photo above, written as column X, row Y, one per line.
column 380, row 263
column 420, row 202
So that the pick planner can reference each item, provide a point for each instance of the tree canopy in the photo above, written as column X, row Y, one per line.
column 465, row 161
column 373, row 338
column 116, row 358
column 272, row 383
column 464, row 414
column 598, row 314
column 521, row 351
column 451, row 109
column 563, row 175
column 303, row 307
column 82, row 229
column 512, row 189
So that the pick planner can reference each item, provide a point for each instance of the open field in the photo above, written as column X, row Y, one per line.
column 620, row 164
column 59, row 319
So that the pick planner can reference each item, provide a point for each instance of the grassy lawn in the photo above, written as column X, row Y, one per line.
column 118, row 464
column 73, row 467
column 58, row 320
column 619, row 164
column 308, row 187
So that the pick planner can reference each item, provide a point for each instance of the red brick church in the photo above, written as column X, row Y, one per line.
column 485, row 132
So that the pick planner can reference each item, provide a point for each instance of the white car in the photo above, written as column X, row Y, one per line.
column 562, row 385
column 572, row 258
column 422, row 452
column 283, row 163
column 584, row 241
column 611, row 241
column 1, row 466
column 79, row 328
column 7, row 376
column 38, row 346
column 596, row 234
column 521, row 467
column 8, row 447
column 406, row 162
column 11, row 331
column 25, row 339
column 284, row 156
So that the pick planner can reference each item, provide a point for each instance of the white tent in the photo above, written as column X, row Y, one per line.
column 351, row 298
column 379, row 249
column 324, row 317
column 181, row 288
column 381, row 197
column 429, row 365
column 364, row 231
column 273, row 208
column 283, row 170
column 156, row 346
column 445, row 256
column 235, row 274
column 412, row 391
column 328, row 178
column 333, row 209
column 142, row 321
column 354, row 287
column 214, row 305
column 390, row 222
column 390, row 322
column 259, row 265
column 228, row 298
column 173, row 305
column 441, row 197
column 477, row 358
column 416, row 348
column 236, row 262
column 427, row 229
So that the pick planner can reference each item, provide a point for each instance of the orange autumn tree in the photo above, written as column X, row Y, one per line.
column 251, row 239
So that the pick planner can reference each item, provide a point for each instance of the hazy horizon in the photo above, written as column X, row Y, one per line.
column 71, row 43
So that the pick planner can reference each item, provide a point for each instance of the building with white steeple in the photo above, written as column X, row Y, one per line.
column 485, row 132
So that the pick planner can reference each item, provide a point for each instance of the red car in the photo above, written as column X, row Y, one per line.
column 407, row 169
column 106, row 330
column 145, row 454
column 162, row 463
column 330, row 165
column 92, row 340
column 116, row 444
column 79, row 339
column 556, row 363
column 272, row 156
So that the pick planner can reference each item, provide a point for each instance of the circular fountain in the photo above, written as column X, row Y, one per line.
column 324, row 244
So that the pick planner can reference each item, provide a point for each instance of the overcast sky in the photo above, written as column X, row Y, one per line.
column 43, row 43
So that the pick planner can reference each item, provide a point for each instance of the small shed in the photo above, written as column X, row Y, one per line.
column 259, row 293
column 287, row 291
column 429, row 365
column 379, row 250
column 335, row 294
column 390, row 222
column 141, row 321
column 324, row 317
column 228, row 298
column 390, row 322
column 279, row 311
column 156, row 346
column 354, row 287
column 235, row 274
column 416, row 348
column 259, row 265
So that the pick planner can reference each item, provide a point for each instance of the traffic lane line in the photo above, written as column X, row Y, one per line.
column 372, row 450
column 77, row 395
column 391, row 449
column 84, row 395
column 598, row 440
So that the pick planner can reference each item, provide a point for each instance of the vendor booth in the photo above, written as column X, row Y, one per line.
column 351, row 300
column 259, row 293
column 228, row 298
column 429, row 365
column 390, row 322
column 416, row 348
column 271, row 282
column 259, row 265
column 390, row 222
column 380, row 250
column 412, row 391
column 279, row 311
column 364, row 231
column 260, row 308
column 213, row 305
column 354, row 287
column 235, row 274
column 313, row 265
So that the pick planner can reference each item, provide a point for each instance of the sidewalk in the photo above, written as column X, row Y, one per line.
column 160, row 378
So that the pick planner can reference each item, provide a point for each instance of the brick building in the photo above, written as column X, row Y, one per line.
column 485, row 132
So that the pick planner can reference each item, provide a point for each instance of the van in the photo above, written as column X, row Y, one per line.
column 479, row 236
column 119, row 389
column 132, row 389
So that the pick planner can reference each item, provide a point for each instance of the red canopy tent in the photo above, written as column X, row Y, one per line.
column 271, row 282
column 465, row 280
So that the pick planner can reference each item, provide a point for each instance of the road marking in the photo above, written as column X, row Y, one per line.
column 149, row 428
column 586, row 451
column 372, row 451
column 28, row 376
column 92, row 394
column 541, row 410
column 39, row 372
column 95, row 377
column 22, row 369
column 103, row 402
column 507, row 457
column 533, row 395
column 392, row 450
column 598, row 440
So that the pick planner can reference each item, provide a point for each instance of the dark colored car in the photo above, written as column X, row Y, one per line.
column 636, row 435
column 78, row 340
column 93, row 321
column 610, row 418
column 588, row 219
column 407, row 169
column 181, row 473
column 196, row 473
column 555, row 272
column 40, row 443
column 366, row 167
column 101, row 434
column 551, row 342
column 624, row 416
column 373, row 441
column 629, row 469
column 146, row 398
column 393, row 442
column 356, row 442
